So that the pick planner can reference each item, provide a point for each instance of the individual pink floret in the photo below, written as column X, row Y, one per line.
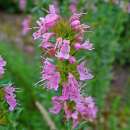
column 72, row 60
column 83, row 72
column 50, row 75
column 10, row 97
column 86, row 45
column 64, row 50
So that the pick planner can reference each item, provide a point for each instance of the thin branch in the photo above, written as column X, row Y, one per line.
column 45, row 115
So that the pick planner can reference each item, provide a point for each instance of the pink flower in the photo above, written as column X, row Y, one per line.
column 56, row 5
column 58, row 43
column 78, row 27
column 48, row 68
column 83, row 72
column 64, row 50
column 86, row 45
column 65, row 91
column 73, row 5
column 50, row 20
column 10, row 97
column 75, row 119
column 46, row 45
column 74, row 91
column 77, row 46
column 2, row 64
column 74, row 17
column 9, row 90
column 57, row 104
column 70, row 89
column 26, row 25
column 37, row 34
column 75, row 23
column 45, row 23
column 52, row 9
column 73, row 8
column 50, row 75
column 72, row 59
column 53, row 81
column 22, row 4
column 79, row 37
column 46, row 36
column 52, row 17
column 87, row 108
column 45, row 41
column 62, row 57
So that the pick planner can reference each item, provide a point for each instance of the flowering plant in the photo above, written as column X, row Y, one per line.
column 8, row 92
column 62, row 70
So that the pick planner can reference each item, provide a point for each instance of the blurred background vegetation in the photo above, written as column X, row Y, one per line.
column 109, row 62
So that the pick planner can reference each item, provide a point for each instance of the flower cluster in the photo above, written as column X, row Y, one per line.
column 10, row 97
column 61, row 40
column 9, row 89
column 2, row 64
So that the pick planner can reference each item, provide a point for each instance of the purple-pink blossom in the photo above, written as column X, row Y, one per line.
column 72, row 59
column 53, row 81
column 73, row 8
column 48, row 68
column 45, row 23
column 57, row 104
column 64, row 51
column 84, row 72
column 61, row 69
column 56, row 5
column 76, row 24
column 47, row 36
column 73, row 5
column 2, row 65
column 86, row 45
column 37, row 34
column 50, row 20
column 10, row 97
column 87, row 108
column 50, row 75
column 74, row 90
column 46, row 44
column 70, row 91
